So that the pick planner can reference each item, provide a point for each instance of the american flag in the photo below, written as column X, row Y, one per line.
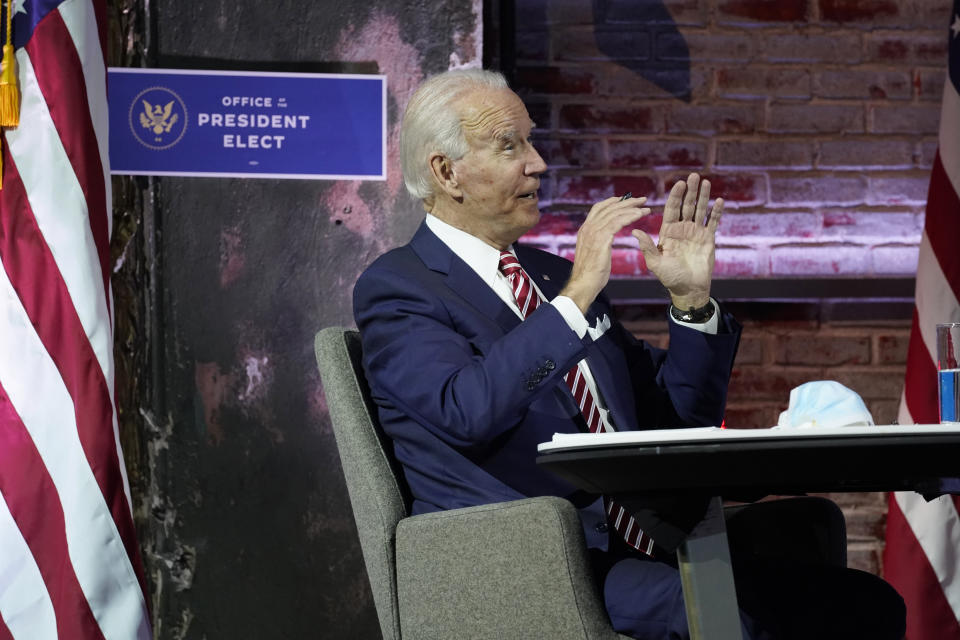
column 922, row 555
column 69, row 562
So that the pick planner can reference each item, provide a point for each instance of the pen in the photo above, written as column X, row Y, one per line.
column 628, row 194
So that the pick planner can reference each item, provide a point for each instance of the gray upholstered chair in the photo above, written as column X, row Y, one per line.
column 507, row 570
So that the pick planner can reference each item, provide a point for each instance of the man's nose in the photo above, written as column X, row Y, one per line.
column 535, row 164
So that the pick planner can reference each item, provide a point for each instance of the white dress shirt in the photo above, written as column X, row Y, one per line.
column 485, row 261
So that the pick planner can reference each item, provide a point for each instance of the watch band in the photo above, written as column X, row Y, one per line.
column 694, row 316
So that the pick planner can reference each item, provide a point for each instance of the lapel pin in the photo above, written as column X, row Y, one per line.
column 546, row 277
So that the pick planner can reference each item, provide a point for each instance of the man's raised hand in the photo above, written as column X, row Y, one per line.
column 591, row 265
column 683, row 260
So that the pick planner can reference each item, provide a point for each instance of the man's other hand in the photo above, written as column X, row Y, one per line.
column 683, row 260
column 591, row 264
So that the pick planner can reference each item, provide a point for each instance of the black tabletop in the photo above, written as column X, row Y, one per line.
column 665, row 478
column 764, row 461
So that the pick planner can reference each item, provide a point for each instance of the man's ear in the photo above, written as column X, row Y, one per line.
column 442, row 169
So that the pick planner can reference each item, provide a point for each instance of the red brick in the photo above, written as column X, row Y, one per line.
column 750, row 351
column 818, row 190
column 925, row 153
column 763, row 154
column 760, row 383
column 580, row 44
column 866, row 524
column 844, row 260
column 892, row 348
column 617, row 80
column 895, row 259
column 874, row 500
column 532, row 240
column 553, row 80
column 750, row 417
column 911, row 119
column 929, row 84
column 811, row 118
column 857, row 10
column 875, row 85
column 884, row 411
column 859, row 225
column 643, row 154
column 590, row 117
column 810, row 48
column 702, row 46
column 740, row 188
column 547, row 188
column 678, row 12
column 907, row 48
column 748, row 11
column 846, row 153
column 753, row 82
column 865, row 557
column 571, row 152
column 624, row 263
column 590, row 189
column 897, row 14
column 811, row 349
column 771, row 224
column 650, row 224
column 557, row 223
column 738, row 263
column 628, row 262
column 899, row 189
column 872, row 383
column 712, row 118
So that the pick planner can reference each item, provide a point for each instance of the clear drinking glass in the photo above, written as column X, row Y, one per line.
column 948, row 371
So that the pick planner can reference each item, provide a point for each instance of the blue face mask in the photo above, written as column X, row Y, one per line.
column 825, row 403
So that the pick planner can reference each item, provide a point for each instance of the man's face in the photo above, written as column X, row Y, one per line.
column 500, row 174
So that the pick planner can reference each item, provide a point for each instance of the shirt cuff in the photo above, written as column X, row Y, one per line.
column 573, row 316
column 710, row 326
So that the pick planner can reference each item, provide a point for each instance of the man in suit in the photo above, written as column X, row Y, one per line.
column 477, row 349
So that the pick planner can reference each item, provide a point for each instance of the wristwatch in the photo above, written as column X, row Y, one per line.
column 694, row 316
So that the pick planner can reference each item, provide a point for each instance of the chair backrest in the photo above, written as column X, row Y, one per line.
column 377, row 493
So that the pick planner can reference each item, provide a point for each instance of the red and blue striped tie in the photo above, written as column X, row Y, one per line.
column 528, row 301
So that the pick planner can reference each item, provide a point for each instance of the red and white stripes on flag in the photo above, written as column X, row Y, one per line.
column 922, row 555
column 69, row 562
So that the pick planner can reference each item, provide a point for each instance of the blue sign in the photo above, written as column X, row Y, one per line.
column 249, row 125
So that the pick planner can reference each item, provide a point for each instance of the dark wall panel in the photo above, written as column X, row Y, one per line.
column 244, row 516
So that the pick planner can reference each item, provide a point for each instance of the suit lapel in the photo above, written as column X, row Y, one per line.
column 604, row 356
column 461, row 279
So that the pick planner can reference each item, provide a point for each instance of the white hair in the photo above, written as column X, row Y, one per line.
column 431, row 123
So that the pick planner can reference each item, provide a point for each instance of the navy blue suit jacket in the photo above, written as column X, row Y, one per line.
column 467, row 391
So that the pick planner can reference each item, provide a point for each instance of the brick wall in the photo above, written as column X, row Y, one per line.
column 816, row 121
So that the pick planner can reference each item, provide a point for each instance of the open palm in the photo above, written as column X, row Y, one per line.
column 683, row 260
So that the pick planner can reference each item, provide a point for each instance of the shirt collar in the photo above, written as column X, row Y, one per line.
column 479, row 256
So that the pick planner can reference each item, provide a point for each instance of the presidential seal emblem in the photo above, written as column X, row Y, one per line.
column 158, row 118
